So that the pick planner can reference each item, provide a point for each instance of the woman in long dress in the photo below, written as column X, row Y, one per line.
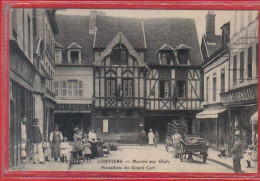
column 150, row 137
column 176, row 143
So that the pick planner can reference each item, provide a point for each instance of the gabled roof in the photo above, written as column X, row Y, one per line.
column 75, row 29
column 182, row 47
column 74, row 46
column 108, row 27
column 173, row 32
column 166, row 48
column 120, row 38
column 57, row 45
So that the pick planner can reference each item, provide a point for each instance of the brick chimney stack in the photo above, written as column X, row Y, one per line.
column 210, row 26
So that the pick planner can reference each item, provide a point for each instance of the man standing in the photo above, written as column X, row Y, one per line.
column 55, row 139
column 237, row 152
column 23, row 138
column 92, row 137
column 37, row 142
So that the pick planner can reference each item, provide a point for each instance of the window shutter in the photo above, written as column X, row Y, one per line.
column 64, row 88
column 80, row 88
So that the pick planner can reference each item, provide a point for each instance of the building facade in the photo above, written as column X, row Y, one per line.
column 133, row 80
column 213, row 119
column 242, row 97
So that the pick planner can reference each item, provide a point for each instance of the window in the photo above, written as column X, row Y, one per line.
column 29, row 37
column 165, row 58
column 183, row 57
column 242, row 66
column 57, row 56
column 72, row 88
column 64, row 88
column 119, row 55
column 110, row 87
column 80, row 88
column 164, row 89
column 74, row 56
column 249, row 63
column 214, row 87
column 235, row 68
column 207, row 90
column 256, row 59
column 181, row 89
column 222, row 81
column 56, row 86
column 127, row 87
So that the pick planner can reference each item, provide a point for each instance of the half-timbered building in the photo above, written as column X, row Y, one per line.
column 146, row 73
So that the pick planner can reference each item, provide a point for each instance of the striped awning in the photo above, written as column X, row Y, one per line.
column 60, row 111
column 210, row 113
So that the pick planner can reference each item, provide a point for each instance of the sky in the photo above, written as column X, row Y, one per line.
column 221, row 18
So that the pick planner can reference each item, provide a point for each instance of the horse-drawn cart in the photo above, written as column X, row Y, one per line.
column 188, row 148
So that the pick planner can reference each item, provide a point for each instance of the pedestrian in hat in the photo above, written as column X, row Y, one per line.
column 237, row 152
column 176, row 143
column 56, row 138
column 150, row 137
column 37, row 142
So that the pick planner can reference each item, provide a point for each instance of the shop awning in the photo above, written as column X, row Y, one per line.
column 254, row 118
column 209, row 113
column 72, row 111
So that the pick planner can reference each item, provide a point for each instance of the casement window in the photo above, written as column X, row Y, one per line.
column 207, row 90
column 56, row 87
column 164, row 89
column 222, row 81
column 181, row 88
column 110, row 87
column 119, row 55
column 58, row 56
column 183, row 57
column 80, row 88
column 74, row 56
column 214, row 87
column 165, row 58
column 72, row 88
column 64, row 88
column 256, row 59
column 242, row 57
column 249, row 63
column 29, row 36
column 127, row 87
column 234, row 68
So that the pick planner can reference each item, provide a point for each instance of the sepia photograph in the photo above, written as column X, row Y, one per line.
column 127, row 90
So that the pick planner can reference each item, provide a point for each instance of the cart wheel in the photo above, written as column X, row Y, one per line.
column 204, row 157
column 181, row 156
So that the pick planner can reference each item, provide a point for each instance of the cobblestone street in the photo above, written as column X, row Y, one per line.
column 140, row 159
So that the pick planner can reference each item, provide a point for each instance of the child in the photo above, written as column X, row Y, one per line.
column 248, row 154
column 46, row 150
column 64, row 150
column 86, row 148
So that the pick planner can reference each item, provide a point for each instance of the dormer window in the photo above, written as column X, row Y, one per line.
column 183, row 54
column 119, row 55
column 74, row 53
column 165, row 54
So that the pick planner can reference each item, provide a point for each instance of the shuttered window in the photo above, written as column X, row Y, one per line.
column 64, row 88
column 80, row 88
column 56, row 86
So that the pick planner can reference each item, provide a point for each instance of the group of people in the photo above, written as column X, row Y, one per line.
column 153, row 138
column 58, row 147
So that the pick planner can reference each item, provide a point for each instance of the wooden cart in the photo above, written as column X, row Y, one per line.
column 190, row 148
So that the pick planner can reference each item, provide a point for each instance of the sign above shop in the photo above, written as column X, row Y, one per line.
column 243, row 95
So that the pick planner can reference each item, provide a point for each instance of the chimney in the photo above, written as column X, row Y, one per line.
column 92, row 22
column 210, row 26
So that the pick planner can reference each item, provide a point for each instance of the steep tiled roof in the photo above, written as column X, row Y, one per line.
column 213, row 47
column 173, row 32
column 108, row 27
column 75, row 29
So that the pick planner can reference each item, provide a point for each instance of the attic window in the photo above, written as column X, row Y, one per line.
column 74, row 56
column 183, row 57
column 119, row 55
column 165, row 57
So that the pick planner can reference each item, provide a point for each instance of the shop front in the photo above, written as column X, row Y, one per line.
column 242, row 104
